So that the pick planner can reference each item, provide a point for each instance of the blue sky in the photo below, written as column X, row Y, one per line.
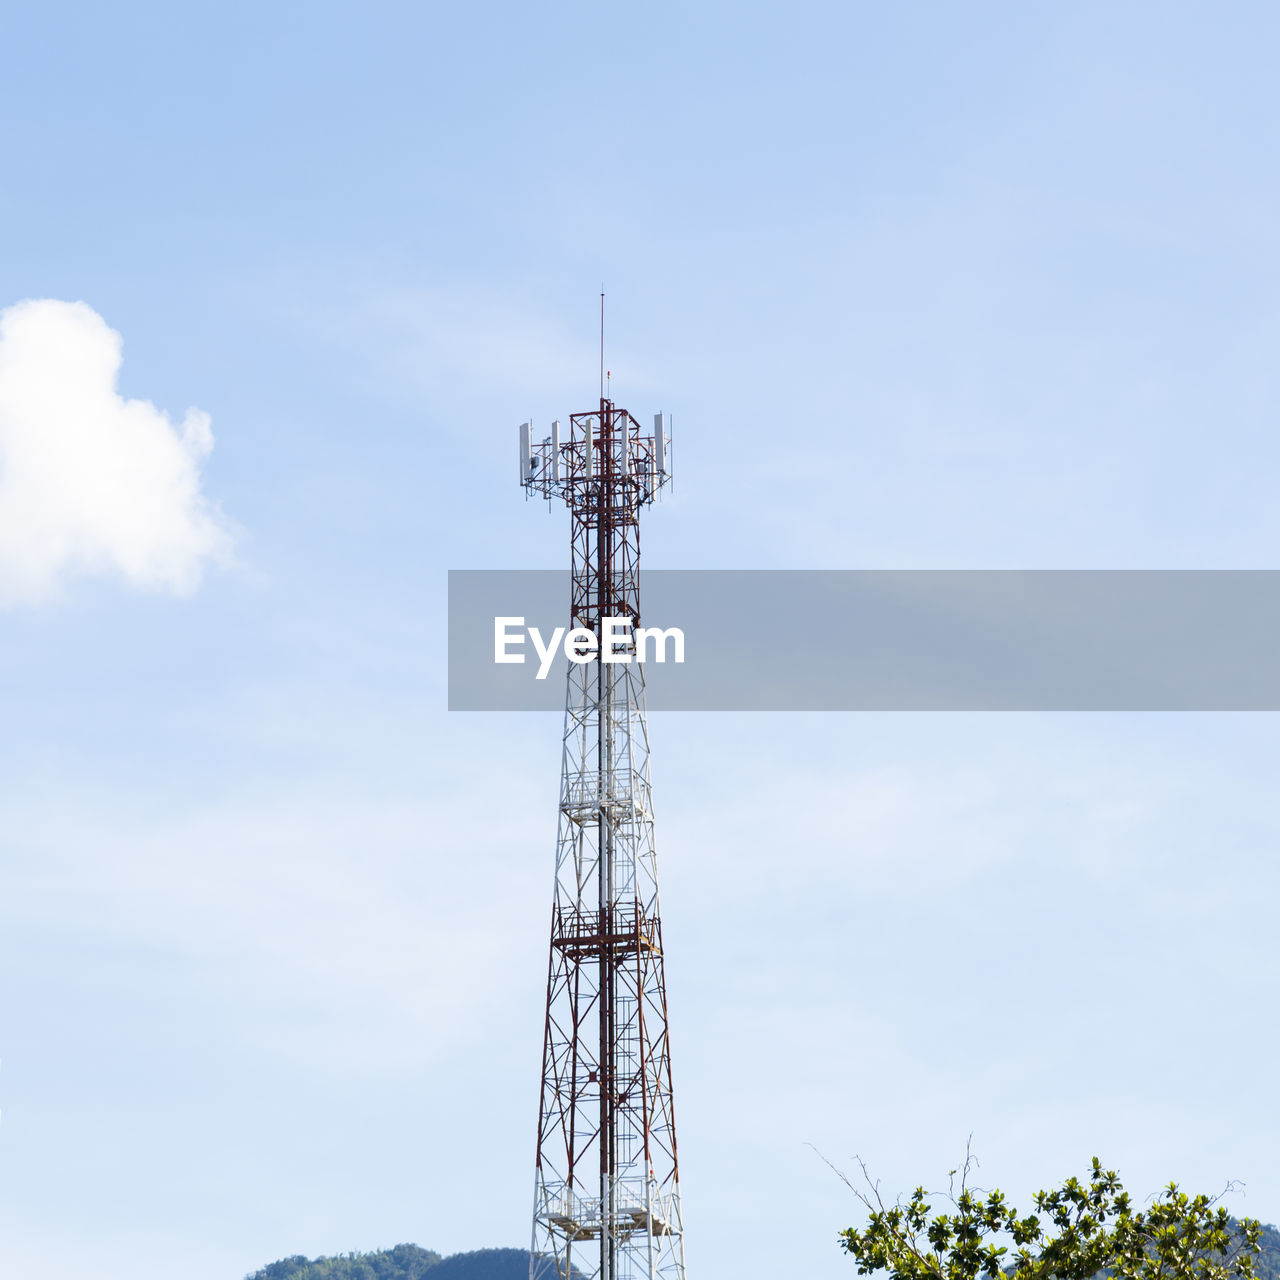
column 924, row 287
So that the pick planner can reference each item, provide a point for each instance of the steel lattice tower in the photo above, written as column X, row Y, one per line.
column 607, row 1192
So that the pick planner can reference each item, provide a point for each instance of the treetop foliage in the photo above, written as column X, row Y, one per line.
column 1079, row 1230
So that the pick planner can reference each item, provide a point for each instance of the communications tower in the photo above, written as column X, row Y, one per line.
column 607, row 1190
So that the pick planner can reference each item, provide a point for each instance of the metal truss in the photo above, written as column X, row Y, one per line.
column 607, row 1192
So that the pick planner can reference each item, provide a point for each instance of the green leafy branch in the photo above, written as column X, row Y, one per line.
column 1080, row 1230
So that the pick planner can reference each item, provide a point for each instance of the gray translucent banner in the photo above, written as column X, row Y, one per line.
column 784, row 640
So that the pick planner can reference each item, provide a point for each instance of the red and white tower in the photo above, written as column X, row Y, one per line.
column 607, row 1189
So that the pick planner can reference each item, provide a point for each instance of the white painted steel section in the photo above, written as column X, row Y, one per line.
column 526, row 452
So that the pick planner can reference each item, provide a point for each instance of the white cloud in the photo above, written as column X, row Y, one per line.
column 91, row 483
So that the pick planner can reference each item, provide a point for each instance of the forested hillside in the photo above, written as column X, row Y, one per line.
column 404, row 1262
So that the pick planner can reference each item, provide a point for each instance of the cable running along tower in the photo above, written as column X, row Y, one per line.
column 607, row 1192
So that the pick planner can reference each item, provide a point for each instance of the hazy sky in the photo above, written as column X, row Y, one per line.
column 924, row 286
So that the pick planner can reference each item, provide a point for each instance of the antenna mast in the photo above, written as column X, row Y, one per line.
column 607, row 1189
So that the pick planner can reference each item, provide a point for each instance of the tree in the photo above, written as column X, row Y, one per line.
column 1080, row 1230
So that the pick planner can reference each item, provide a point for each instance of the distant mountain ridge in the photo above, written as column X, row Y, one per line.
column 404, row 1262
